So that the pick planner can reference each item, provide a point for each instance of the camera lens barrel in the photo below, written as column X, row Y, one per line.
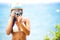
column 17, row 13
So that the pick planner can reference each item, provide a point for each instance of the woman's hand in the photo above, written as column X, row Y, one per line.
column 12, row 14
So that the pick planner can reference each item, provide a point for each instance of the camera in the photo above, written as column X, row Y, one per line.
column 18, row 12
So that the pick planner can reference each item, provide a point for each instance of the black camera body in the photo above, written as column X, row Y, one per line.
column 18, row 12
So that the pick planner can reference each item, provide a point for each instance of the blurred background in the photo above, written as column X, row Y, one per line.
column 44, row 20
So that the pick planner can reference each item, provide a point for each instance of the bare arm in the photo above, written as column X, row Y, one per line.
column 9, row 27
column 26, row 28
column 10, row 24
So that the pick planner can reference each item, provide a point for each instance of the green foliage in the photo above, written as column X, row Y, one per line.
column 58, row 27
column 56, row 34
column 46, row 38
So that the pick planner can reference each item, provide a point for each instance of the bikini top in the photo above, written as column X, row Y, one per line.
column 15, row 28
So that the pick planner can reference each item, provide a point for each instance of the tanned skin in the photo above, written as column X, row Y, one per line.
column 19, row 35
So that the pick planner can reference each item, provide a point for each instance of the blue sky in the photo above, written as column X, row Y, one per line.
column 43, row 18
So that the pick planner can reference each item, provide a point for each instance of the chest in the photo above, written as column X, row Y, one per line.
column 15, row 27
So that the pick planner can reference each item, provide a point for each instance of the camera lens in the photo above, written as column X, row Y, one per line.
column 17, row 14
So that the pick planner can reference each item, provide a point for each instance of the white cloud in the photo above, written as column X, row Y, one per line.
column 29, row 1
column 58, row 10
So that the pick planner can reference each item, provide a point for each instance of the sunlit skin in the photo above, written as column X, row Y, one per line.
column 19, row 35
